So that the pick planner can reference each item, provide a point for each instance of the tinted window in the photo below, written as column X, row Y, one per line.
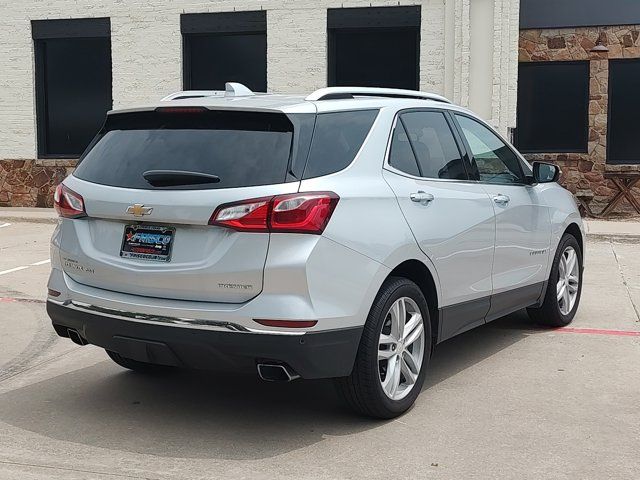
column 624, row 105
column 401, row 155
column 494, row 160
column 224, row 47
column 213, row 60
column 553, row 103
column 241, row 148
column 434, row 145
column 337, row 138
column 374, row 46
column 374, row 58
column 73, row 85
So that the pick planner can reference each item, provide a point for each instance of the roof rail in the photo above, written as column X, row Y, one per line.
column 192, row 94
column 232, row 89
column 334, row 93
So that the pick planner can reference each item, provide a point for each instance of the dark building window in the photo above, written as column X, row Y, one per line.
column 624, row 105
column 73, row 83
column 553, row 107
column 374, row 46
column 224, row 47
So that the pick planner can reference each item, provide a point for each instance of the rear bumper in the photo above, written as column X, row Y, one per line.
column 322, row 354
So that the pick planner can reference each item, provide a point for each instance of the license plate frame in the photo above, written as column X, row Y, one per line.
column 150, row 243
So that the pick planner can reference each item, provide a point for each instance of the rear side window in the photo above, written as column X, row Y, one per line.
column 401, row 155
column 337, row 138
column 434, row 145
column 241, row 148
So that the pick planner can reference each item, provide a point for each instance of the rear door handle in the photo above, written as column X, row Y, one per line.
column 501, row 199
column 421, row 197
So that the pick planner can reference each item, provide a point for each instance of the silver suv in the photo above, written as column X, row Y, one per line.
column 340, row 235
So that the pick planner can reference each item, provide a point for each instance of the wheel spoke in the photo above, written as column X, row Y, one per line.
column 392, row 378
column 560, row 290
column 567, row 300
column 411, row 362
column 414, row 335
column 573, row 284
column 385, row 354
column 409, row 375
column 571, row 261
column 414, row 321
column 398, row 317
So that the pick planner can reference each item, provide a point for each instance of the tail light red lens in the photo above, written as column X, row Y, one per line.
column 295, row 213
column 68, row 203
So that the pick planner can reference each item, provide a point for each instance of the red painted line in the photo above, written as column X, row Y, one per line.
column 7, row 300
column 598, row 331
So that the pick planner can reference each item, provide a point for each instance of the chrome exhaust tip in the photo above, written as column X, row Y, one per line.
column 274, row 372
column 76, row 337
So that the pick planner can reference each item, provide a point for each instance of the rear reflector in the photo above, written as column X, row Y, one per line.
column 68, row 203
column 53, row 293
column 295, row 213
column 286, row 323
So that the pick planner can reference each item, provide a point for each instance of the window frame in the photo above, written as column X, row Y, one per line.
column 41, row 32
column 525, row 174
column 587, row 80
column 462, row 148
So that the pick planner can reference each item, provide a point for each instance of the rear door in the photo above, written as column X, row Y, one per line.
column 523, row 226
column 148, row 233
column 451, row 218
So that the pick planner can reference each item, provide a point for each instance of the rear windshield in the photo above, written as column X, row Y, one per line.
column 241, row 148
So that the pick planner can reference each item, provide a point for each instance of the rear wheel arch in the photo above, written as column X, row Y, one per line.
column 419, row 273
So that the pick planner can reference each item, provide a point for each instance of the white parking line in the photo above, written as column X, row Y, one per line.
column 11, row 270
column 4, row 225
column 39, row 263
column 23, row 267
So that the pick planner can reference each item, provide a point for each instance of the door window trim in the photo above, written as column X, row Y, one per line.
column 523, row 175
column 452, row 126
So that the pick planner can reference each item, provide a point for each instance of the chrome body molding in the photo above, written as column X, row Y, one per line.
column 164, row 320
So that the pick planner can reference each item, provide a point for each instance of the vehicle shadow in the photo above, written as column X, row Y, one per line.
column 205, row 415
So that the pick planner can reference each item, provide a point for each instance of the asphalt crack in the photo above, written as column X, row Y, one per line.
column 636, row 309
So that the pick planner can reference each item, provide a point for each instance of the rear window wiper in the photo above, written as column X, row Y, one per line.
column 169, row 178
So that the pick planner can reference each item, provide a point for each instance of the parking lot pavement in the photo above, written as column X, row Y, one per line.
column 507, row 400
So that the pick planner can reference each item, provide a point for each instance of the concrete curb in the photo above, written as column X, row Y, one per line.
column 605, row 237
column 19, row 219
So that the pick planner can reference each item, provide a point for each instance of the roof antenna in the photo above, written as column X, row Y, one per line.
column 233, row 89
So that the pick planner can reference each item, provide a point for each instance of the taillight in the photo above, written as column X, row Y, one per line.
column 247, row 216
column 68, row 203
column 294, row 213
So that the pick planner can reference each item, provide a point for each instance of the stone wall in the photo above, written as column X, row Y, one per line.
column 583, row 172
column 31, row 183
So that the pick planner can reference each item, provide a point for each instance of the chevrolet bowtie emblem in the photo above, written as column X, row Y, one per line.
column 139, row 210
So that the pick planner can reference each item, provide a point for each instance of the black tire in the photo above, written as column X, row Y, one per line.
column 362, row 390
column 135, row 365
column 549, row 314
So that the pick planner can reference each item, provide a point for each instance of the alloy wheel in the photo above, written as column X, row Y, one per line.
column 568, row 280
column 401, row 348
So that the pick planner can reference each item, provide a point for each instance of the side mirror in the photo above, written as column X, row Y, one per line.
column 545, row 172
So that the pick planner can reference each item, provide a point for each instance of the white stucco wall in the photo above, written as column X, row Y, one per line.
column 146, row 52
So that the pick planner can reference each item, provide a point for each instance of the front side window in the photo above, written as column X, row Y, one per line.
column 494, row 160
column 423, row 145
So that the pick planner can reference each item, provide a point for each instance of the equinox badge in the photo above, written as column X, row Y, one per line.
column 139, row 210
